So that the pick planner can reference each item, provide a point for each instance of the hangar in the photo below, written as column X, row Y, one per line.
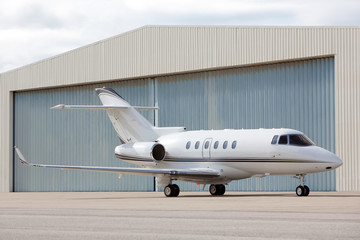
column 201, row 77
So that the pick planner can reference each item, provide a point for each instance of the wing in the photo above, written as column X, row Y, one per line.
column 138, row 171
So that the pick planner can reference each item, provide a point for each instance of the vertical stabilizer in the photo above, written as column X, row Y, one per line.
column 129, row 124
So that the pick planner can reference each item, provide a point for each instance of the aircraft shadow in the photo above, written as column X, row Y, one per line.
column 272, row 195
column 195, row 195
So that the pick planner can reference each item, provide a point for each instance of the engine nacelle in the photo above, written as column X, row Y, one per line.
column 141, row 151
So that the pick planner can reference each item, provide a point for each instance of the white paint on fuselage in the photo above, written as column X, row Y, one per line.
column 254, row 155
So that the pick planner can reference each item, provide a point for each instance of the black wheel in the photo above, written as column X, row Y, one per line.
column 221, row 189
column 213, row 190
column 306, row 190
column 300, row 191
column 168, row 191
column 172, row 190
column 176, row 190
column 217, row 189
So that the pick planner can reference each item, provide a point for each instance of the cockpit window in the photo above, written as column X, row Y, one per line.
column 283, row 139
column 274, row 140
column 300, row 140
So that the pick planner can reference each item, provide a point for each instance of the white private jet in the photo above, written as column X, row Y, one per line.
column 214, row 157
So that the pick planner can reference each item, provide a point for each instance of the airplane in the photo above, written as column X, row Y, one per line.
column 214, row 157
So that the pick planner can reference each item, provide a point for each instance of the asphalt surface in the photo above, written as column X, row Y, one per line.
column 192, row 215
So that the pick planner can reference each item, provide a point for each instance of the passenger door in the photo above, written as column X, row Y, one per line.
column 206, row 148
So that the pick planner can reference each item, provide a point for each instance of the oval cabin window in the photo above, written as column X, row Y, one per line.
column 225, row 144
column 233, row 145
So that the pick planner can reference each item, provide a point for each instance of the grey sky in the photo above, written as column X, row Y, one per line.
column 38, row 29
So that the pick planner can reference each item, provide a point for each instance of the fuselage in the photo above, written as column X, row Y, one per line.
column 239, row 154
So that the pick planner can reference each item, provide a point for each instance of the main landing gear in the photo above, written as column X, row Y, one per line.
column 302, row 189
column 217, row 189
column 172, row 190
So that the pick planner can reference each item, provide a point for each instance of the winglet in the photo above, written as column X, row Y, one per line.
column 21, row 157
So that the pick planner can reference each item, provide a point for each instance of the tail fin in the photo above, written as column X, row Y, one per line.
column 129, row 124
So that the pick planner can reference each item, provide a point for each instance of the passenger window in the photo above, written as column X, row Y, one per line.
column 188, row 145
column 216, row 144
column 274, row 140
column 283, row 139
column 197, row 144
column 233, row 145
column 207, row 144
column 225, row 144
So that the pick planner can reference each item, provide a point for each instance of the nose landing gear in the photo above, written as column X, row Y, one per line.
column 302, row 189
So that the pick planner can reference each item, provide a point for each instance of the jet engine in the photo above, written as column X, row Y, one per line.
column 141, row 151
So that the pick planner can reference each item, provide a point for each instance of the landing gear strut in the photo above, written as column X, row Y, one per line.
column 302, row 189
column 172, row 190
column 217, row 189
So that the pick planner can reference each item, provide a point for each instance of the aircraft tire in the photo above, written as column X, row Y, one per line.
column 213, row 189
column 172, row 190
column 221, row 189
column 306, row 190
column 176, row 190
column 217, row 189
column 300, row 191
column 168, row 191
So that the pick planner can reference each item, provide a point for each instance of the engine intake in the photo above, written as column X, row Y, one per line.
column 141, row 151
column 158, row 152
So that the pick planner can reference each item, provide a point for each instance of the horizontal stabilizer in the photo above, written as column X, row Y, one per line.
column 63, row 106
column 128, row 123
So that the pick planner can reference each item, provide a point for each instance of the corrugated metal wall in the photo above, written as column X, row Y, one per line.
column 73, row 137
column 298, row 95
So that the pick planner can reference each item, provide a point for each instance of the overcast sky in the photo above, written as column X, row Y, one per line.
column 32, row 30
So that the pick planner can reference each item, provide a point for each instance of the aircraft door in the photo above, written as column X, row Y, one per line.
column 206, row 148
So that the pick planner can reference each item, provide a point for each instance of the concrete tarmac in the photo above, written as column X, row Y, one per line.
column 192, row 215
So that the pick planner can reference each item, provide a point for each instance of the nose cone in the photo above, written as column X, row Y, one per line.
column 324, row 156
column 336, row 161
column 332, row 160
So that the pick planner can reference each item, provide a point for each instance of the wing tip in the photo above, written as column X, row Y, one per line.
column 60, row 106
column 21, row 156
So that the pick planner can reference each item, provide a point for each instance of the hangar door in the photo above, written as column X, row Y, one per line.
column 297, row 95
column 74, row 137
